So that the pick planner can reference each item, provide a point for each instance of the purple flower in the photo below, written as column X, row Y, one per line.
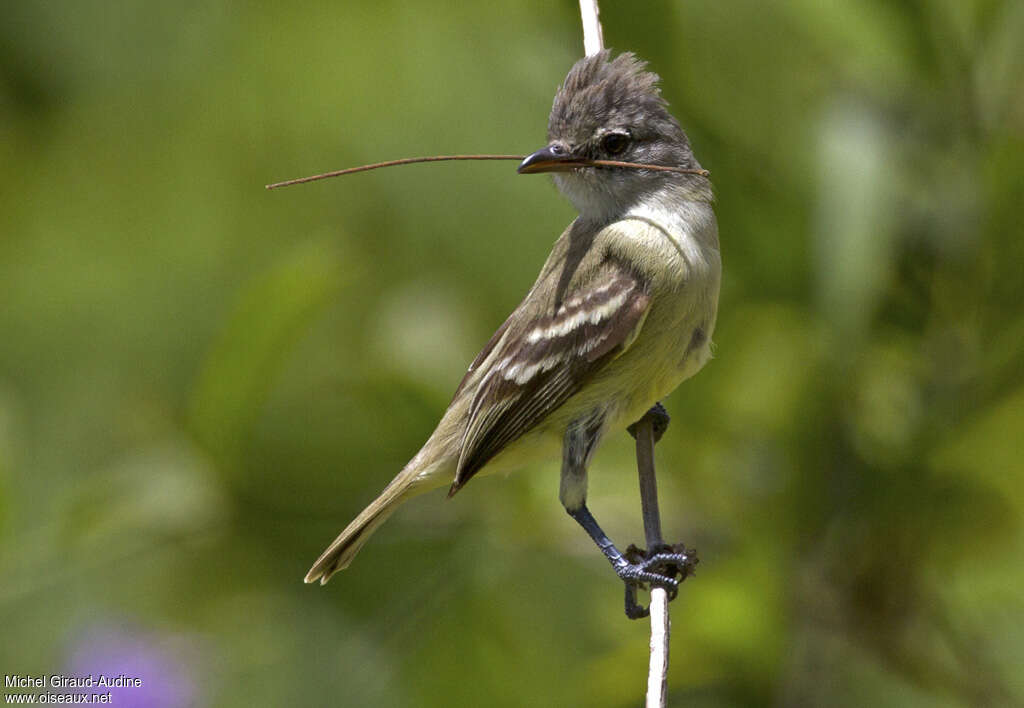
column 145, row 669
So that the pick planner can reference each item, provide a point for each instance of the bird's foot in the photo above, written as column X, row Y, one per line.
column 658, row 568
column 658, row 416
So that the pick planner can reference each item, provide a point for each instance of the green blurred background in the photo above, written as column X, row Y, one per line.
column 201, row 382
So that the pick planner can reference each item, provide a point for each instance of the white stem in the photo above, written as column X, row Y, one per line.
column 657, row 672
column 593, row 41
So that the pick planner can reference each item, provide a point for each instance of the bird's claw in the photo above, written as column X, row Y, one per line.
column 657, row 569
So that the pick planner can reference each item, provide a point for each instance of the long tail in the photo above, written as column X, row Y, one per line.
column 345, row 547
column 425, row 471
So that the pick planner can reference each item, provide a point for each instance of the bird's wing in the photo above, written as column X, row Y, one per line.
column 482, row 356
column 538, row 366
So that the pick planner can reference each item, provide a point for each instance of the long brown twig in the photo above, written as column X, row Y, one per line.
column 447, row 158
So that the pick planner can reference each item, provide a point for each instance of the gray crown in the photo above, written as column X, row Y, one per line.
column 601, row 92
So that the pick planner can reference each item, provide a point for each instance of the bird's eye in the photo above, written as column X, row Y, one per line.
column 615, row 143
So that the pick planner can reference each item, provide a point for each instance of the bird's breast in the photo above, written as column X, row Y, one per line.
column 676, row 247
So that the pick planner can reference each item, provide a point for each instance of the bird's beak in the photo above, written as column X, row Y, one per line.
column 548, row 159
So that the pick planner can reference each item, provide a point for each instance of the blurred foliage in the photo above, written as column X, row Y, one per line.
column 201, row 382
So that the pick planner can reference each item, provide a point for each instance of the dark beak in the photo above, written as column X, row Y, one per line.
column 553, row 158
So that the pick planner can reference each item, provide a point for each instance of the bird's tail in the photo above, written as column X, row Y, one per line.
column 345, row 547
column 425, row 471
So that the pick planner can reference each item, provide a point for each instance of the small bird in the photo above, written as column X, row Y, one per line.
column 621, row 313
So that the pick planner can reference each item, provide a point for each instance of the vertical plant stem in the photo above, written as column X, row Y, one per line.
column 657, row 672
column 593, row 40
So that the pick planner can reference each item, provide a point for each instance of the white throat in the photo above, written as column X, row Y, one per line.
column 595, row 197
column 685, row 231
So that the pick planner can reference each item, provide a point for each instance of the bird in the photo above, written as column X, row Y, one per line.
column 622, row 312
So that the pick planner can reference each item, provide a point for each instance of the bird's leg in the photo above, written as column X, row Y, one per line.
column 659, row 567
column 635, row 568
column 658, row 416
column 647, row 431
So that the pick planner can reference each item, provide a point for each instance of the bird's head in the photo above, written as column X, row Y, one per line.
column 611, row 109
